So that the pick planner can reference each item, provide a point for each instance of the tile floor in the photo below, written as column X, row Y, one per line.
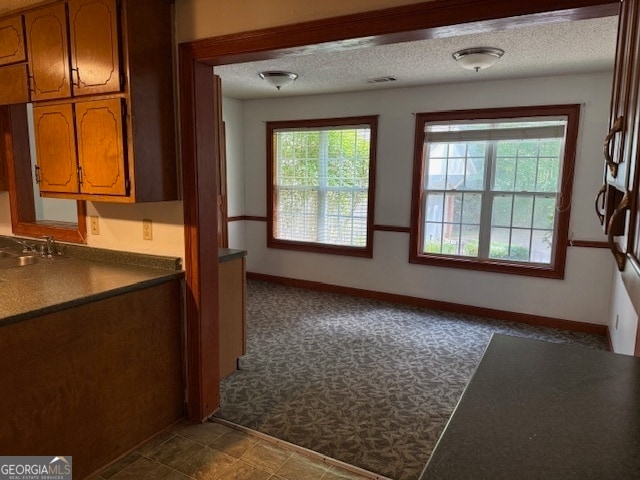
column 216, row 451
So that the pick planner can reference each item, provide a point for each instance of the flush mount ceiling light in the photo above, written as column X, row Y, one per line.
column 278, row 78
column 477, row 58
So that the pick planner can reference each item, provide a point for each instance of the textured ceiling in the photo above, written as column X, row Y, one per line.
column 551, row 49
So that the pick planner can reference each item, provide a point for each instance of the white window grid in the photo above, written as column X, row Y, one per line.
column 455, row 228
column 328, row 204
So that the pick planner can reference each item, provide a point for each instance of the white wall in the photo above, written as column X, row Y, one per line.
column 121, row 227
column 233, row 121
column 623, row 321
column 577, row 297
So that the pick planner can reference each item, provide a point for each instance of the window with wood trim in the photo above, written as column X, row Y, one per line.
column 321, row 185
column 492, row 189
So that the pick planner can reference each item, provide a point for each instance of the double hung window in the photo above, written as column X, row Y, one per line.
column 492, row 189
column 321, row 185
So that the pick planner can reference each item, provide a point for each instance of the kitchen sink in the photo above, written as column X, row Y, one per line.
column 9, row 260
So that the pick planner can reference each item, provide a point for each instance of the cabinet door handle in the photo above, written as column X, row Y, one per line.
column 608, row 157
column 79, row 176
column 75, row 79
column 618, row 254
column 599, row 204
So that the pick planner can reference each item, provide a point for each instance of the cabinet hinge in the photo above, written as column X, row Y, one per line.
column 36, row 170
column 127, row 184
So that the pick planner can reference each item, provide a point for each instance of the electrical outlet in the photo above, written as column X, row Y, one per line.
column 95, row 224
column 147, row 229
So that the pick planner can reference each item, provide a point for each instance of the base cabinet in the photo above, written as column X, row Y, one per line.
column 232, row 293
column 93, row 381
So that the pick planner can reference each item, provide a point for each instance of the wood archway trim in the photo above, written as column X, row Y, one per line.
column 432, row 19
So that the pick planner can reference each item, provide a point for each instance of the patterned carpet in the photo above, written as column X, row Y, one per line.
column 369, row 383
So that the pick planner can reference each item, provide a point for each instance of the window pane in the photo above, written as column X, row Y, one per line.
column 550, row 148
column 432, row 238
column 450, row 239
column 507, row 149
column 455, row 173
column 435, row 207
column 541, row 242
column 519, row 250
column 499, row 246
column 526, row 175
column 505, row 173
column 474, row 178
column 527, row 149
column 548, row 175
column 469, row 240
column 437, row 173
column 544, row 213
column 501, row 213
column 452, row 207
column 522, row 211
column 472, row 205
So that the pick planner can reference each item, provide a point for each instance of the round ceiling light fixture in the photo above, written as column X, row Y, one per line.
column 278, row 78
column 477, row 58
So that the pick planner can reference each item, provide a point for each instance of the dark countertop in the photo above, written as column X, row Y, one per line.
column 81, row 275
column 228, row 254
column 537, row 410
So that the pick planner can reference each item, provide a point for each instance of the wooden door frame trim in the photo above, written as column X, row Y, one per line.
column 432, row 19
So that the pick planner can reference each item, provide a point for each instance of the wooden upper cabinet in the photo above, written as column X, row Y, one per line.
column 101, row 153
column 48, row 52
column 54, row 133
column 93, row 28
column 15, row 88
column 12, row 48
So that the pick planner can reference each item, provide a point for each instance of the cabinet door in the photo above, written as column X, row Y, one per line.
column 93, row 27
column 101, row 153
column 616, row 149
column 55, row 148
column 48, row 52
column 11, row 41
column 15, row 88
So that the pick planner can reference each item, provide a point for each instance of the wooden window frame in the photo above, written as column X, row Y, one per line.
column 557, row 266
column 14, row 148
column 272, row 241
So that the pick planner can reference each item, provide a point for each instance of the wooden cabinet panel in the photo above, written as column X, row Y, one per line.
column 11, row 41
column 15, row 87
column 95, row 380
column 231, row 301
column 93, row 26
column 101, row 154
column 55, row 148
column 48, row 52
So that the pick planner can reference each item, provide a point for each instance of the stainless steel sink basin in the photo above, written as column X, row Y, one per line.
column 13, row 261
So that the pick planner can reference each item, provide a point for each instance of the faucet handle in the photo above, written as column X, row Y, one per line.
column 49, row 249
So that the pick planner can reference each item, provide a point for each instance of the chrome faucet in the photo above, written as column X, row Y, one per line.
column 49, row 249
column 26, row 246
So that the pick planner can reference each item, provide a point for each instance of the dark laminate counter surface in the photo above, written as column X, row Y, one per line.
column 536, row 410
column 228, row 254
column 79, row 276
